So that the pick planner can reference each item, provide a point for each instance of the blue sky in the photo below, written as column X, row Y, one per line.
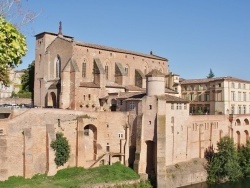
column 194, row 35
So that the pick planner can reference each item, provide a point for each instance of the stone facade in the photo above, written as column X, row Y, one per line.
column 77, row 75
column 14, row 86
column 112, row 105
column 224, row 95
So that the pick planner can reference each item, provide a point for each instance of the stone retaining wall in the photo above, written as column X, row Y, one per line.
column 110, row 185
column 15, row 101
column 186, row 173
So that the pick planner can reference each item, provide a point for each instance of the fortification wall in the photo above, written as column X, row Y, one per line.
column 25, row 145
column 186, row 173
column 15, row 101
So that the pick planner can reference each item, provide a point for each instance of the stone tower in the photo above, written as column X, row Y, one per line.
column 155, row 81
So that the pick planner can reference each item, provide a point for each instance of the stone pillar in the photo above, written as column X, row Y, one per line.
column 80, row 147
column 122, row 150
column 126, row 152
column 27, row 154
column 110, row 158
column 51, row 165
column 3, row 159
column 140, row 153
column 161, row 144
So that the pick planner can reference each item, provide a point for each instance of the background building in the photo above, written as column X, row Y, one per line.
column 14, row 86
column 222, row 95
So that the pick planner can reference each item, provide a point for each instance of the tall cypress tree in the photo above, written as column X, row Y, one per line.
column 211, row 74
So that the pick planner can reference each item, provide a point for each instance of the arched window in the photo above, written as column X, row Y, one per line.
column 237, row 122
column 107, row 71
column 84, row 68
column 246, row 121
column 57, row 67
column 145, row 70
column 127, row 69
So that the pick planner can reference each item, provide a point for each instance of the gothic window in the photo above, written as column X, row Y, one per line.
column 84, row 69
column 145, row 70
column 126, row 69
column 58, row 67
column 107, row 71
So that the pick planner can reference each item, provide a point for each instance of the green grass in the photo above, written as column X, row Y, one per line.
column 78, row 177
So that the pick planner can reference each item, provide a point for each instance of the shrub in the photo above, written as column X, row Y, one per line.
column 224, row 165
column 62, row 149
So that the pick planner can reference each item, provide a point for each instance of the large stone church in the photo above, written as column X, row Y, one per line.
column 82, row 76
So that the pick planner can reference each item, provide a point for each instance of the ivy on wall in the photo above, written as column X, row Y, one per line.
column 62, row 149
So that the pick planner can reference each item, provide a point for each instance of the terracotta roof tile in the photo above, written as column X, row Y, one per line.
column 113, row 85
column 155, row 73
column 101, row 47
column 207, row 80
column 169, row 98
column 133, row 88
column 89, row 84
column 126, row 95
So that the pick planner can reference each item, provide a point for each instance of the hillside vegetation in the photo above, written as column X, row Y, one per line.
column 79, row 177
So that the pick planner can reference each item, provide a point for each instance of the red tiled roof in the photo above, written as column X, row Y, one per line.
column 126, row 95
column 170, row 98
column 207, row 80
column 134, row 88
column 101, row 47
column 89, row 84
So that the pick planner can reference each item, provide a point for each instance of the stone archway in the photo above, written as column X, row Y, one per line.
column 238, row 138
column 247, row 135
column 246, row 121
column 150, row 165
column 237, row 122
column 51, row 100
column 90, row 141
column 113, row 105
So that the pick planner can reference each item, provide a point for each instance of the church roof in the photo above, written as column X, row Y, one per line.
column 126, row 95
column 168, row 90
column 134, row 88
column 113, row 85
column 89, row 84
column 171, row 99
column 101, row 47
column 207, row 80
column 155, row 73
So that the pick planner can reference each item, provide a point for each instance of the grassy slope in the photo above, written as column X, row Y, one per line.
column 76, row 177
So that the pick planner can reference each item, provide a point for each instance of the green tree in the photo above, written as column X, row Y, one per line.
column 244, row 158
column 62, row 149
column 27, row 80
column 211, row 74
column 224, row 165
column 12, row 48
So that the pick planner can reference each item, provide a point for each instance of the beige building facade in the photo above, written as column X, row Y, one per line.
column 14, row 86
column 223, row 95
